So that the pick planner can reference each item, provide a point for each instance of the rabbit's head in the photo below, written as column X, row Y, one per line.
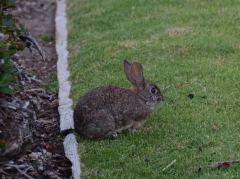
column 147, row 91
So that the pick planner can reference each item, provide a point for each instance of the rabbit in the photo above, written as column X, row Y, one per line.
column 106, row 111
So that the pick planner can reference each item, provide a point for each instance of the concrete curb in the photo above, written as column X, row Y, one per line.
column 65, row 103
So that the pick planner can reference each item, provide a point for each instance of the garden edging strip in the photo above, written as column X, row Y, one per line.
column 65, row 103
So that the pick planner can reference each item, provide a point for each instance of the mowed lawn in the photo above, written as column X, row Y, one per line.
column 186, row 47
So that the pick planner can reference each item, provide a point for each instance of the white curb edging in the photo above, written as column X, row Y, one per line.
column 65, row 103
column 70, row 147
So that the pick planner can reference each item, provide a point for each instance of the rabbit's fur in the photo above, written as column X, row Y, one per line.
column 106, row 111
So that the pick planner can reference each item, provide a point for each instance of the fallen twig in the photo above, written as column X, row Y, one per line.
column 224, row 164
column 22, row 172
column 169, row 165
column 36, row 90
column 9, row 105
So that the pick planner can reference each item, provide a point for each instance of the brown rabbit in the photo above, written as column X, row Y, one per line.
column 106, row 111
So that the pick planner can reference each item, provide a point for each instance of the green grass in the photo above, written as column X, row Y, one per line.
column 52, row 84
column 46, row 38
column 186, row 46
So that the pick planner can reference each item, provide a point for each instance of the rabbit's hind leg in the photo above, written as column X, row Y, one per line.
column 102, row 125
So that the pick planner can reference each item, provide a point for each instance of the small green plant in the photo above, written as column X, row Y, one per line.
column 9, row 45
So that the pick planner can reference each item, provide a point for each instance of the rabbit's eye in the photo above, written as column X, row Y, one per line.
column 153, row 90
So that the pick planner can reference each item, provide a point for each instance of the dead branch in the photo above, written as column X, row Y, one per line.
column 31, row 43
column 18, row 168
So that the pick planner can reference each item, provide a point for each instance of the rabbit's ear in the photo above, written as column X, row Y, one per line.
column 127, row 69
column 134, row 73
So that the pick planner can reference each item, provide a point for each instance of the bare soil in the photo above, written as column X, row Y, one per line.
column 30, row 141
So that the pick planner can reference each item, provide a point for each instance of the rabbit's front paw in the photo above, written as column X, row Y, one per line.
column 112, row 135
column 134, row 130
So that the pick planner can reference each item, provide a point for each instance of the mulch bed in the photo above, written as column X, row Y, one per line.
column 30, row 142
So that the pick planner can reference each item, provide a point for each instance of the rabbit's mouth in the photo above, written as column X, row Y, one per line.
column 151, row 100
column 154, row 100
